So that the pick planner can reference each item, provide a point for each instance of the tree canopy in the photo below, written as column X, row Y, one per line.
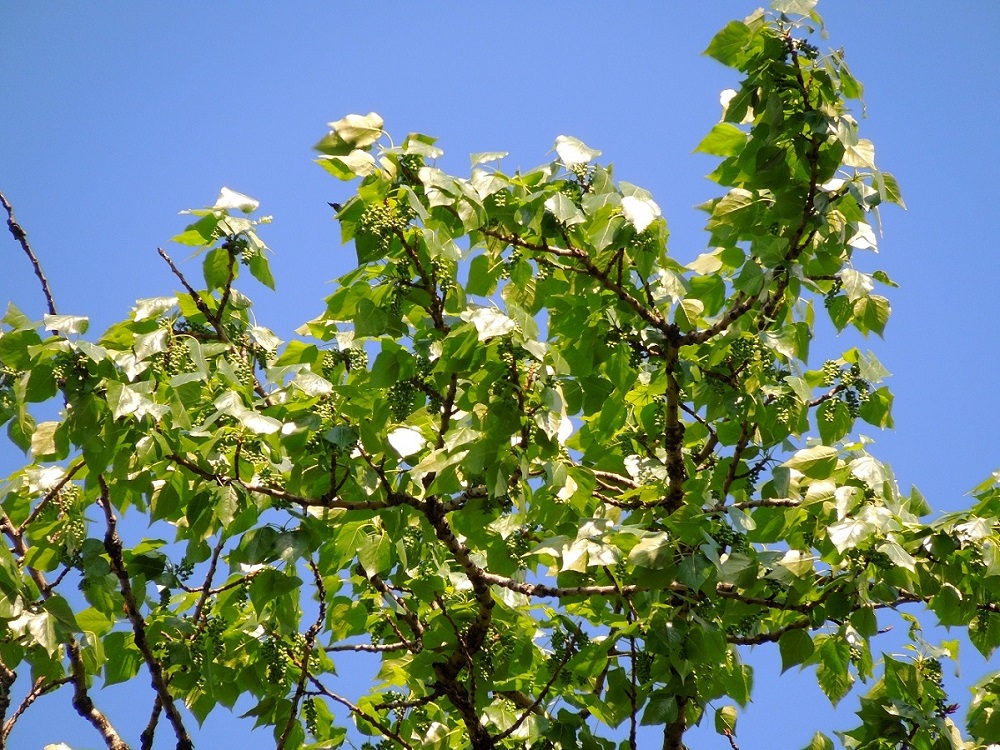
column 544, row 480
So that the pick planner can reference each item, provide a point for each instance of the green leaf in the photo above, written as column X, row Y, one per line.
column 725, row 720
column 728, row 44
column 794, row 7
column 819, row 742
column 984, row 710
column 724, row 139
column 796, row 647
column 351, row 132
column 817, row 462
column 871, row 314
column 564, row 209
column 260, row 269
column 68, row 325
column 230, row 200
column 572, row 151
column 375, row 554
column 833, row 670
column 123, row 658
column 216, row 267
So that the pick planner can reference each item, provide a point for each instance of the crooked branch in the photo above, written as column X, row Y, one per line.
column 22, row 238
column 113, row 546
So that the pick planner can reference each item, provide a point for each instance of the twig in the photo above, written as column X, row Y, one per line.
column 40, row 688
column 195, row 297
column 22, row 237
column 307, row 647
column 381, row 726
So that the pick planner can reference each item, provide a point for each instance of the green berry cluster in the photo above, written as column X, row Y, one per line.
column 862, row 558
column 785, row 408
column 67, row 508
column 853, row 389
column 643, row 242
column 746, row 625
column 355, row 358
column 198, row 330
column 401, row 397
column 8, row 377
column 412, row 542
column 272, row 653
column 410, row 164
column 573, row 189
column 930, row 670
column 70, row 372
column 564, row 648
column 239, row 245
column 184, row 569
column 175, row 359
column 499, row 199
column 728, row 537
column 309, row 715
column 243, row 369
column 510, row 262
column 802, row 48
column 831, row 295
column 444, row 274
column 383, row 221
column 522, row 540
column 643, row 665
column 583, row 173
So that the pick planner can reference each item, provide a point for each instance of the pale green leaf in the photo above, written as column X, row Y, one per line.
column 816, row 462
column 573, row 151
column 489, row 322
column 66, row 324
column 232, row 200
column 725, row 720
column 406, row 441
column 640, row 212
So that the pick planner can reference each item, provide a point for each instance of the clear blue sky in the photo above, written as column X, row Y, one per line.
column 114, row 117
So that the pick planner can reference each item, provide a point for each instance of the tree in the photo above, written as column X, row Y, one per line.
column 547, row 479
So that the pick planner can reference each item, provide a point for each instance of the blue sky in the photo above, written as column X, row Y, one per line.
column 114, row 118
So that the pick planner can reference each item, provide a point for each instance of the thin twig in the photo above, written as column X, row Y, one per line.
column 22, row 237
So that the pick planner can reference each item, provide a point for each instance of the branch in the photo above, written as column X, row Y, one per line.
column 47, row 498
column 195, row 297
column 382, row 727
column 532, row 707
column 40, row 688
column 673, row 434
column 405, row 613
column 113, row 545
column 22, row 237
column 7, row 679
column 206, row 588
column 652, row 317
column 83, row 703
column 559, row 592
column 307, row 647
column 146, row 738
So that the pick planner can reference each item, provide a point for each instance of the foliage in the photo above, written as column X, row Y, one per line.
column 545, row 477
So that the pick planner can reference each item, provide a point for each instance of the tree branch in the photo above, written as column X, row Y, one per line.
column 22, row 237
column 113, row 546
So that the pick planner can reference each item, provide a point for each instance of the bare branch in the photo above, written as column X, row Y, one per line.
column 22, row 237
